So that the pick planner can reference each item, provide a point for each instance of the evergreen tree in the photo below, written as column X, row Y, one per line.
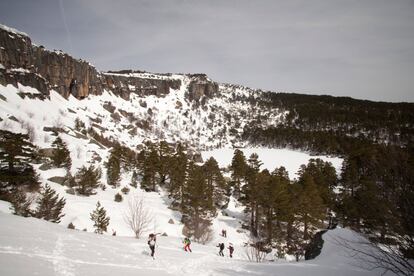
column 250, row 191
column 99, row 218
column 134, row 179
column 324, row 176
column 275, row 201
column 254, row 162
column 16, row 153
column 178, row 173
column 61, row 154
column 113, row 167
column 87, row 180
column 150, row 168
column 80, row 126
column 311, row 209
column 164, row 159
column 215, row 181
column 248, row 197
column 198, row 207
column 238, row 170
column 20, row 203
column 50, row 206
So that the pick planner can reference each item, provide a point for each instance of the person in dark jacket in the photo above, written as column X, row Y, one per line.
column 231, row 250
column 152, row 239
column 221, row 247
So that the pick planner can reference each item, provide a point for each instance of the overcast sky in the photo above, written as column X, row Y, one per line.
column 363, row 48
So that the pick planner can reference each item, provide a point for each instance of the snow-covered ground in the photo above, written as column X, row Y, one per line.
column 30, row 246
column 272, row 158
column 32, row 115
column 33, row 247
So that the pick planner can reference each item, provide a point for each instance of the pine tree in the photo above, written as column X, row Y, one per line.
column 16, row 153
column 275, row 201
column 61, row 154
column 254, row 162
column 87, row 180
column 20, row 203
column 324, row 176
column 150, row 168
column 198, row 207
column 50, row 206
column 238, row 170
column 99, row 218
column 113, row 168
column 164, row 158
column 250, row 191
column 79, row 125
column 311, row 209
column 215, row 181
column 134, row 179
column 178, row 173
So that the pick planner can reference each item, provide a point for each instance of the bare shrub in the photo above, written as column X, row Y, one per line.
column 372, row 255
column 255, row 252
column 138, row 216
column 207, row 236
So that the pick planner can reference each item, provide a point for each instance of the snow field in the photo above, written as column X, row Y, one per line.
column 33, row 247
column 49, row 249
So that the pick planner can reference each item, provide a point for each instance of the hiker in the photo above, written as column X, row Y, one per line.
column 221, row 246
column 152, row 239
column 231, row 250
column 224, row 233
column 187, row 243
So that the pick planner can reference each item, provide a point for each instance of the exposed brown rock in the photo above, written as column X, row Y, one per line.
column 46, row 70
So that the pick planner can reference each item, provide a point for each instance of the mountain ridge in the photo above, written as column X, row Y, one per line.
column 378, row 122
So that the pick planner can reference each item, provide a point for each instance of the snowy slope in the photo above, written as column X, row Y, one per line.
column 33, row 115
column 49, row 249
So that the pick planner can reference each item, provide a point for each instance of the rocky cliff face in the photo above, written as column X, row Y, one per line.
column 31, row 65
column 124, row 83
column 59, row 71
column 201, row 86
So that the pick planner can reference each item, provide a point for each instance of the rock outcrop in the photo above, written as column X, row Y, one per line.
column 44, row 69
column 32, row 65
column 123, row 84
column 201, row 86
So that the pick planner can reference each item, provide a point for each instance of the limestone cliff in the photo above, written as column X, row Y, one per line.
column 31, row 65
